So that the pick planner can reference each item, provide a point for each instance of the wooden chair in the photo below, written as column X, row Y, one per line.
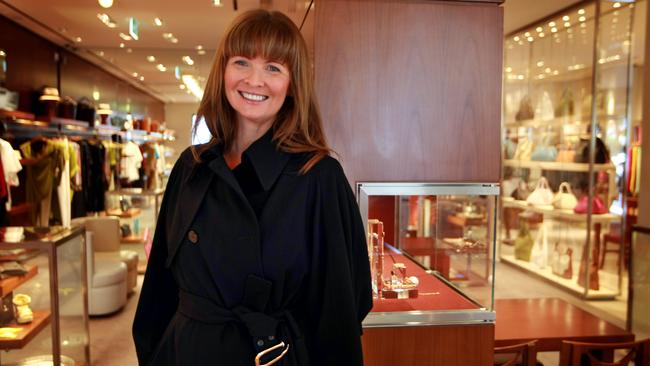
column 524, row 354
column 602, row 354
column 614, row 236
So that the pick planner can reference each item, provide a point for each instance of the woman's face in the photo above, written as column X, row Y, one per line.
column 256, row 88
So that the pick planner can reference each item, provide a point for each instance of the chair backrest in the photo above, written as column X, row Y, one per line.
column 524, row 354
column 106, row 233
column 602, row 354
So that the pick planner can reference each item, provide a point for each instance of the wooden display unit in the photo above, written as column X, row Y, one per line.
column 28, row 332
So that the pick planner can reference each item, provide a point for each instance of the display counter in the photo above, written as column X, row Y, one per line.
column 431, row 250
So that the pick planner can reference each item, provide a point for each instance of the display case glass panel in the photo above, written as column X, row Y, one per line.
column 565, row 146
column 53, row 289
column 431, row 249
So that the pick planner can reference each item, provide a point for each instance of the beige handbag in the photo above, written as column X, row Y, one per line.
column 542, row 195
column 565, row 199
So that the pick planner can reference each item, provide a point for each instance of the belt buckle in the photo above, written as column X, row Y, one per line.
column 262, row 353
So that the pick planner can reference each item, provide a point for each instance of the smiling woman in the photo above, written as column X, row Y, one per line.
column 259, row 232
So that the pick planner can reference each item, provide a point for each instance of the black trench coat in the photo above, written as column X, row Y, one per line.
column 222, row 285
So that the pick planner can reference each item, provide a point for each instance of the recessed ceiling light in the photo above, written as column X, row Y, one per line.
column 217, row 3
column 157, row 21
column 151, row 58
column 201, row 52
column 78, row 39
column 106, row 19
column 539, row 29
column 182, row 86
column 582, row 19
column 551, row 24
column 129, row 50
column 125, row 37
column 135, row 74
column 168, row 36
column 141, row 78
column 527, row 34
column 516, row 39
column 616, row 5
column 199, row 47
column 530, row 39
column 541, row 35
column 188, row 60
column 121, row 45
column 567, row 24
column 174, row 40
column 566, row 18
column 161, row 68
column 553, row 30
column 105, row 3
column 581, row 11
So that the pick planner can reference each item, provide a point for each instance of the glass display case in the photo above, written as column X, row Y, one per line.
column 44, row 315
column 431, row 249
column 565, row 184
column 638, row 319
column 138, row 210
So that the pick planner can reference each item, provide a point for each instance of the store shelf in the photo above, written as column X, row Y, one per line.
column 132, row 212
column 9, row 284
column 567, row 215
column 561, row 121
column 569, row 284
column 27, row 332
column 552, row 165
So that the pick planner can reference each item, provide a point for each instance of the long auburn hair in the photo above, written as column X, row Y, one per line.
column 298, row 125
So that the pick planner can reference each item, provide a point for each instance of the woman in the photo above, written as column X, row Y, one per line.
column 259, row 252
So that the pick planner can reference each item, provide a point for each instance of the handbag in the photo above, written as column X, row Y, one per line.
column 545, row 108
column 597, row 206
column 600, row 157
column 542, row 195
column 544, row 153
column 526, row 110
column 522, row 191
column 562, row 261
column 539, row 254
column 523, row 244
column 566, row 155
column 565, row 199
column 509, row 149
column 524, row 150
column 565, row 108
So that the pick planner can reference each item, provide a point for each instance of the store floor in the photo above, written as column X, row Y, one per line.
column 111, row 342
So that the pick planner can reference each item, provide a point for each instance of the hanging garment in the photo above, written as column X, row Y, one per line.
column 94, row 181
column 10, row 167
column 131, row 161
column 42, row 176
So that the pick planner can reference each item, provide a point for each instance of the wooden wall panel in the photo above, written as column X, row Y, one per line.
column 457, row 345
column 32, row 64
column 411, row 90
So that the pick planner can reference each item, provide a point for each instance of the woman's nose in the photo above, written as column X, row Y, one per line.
column 254, row 77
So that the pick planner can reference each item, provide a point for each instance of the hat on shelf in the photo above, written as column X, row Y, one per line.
column 50, row 93
column 104, row 109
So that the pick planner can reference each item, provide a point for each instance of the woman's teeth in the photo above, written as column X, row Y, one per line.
column 253, row 97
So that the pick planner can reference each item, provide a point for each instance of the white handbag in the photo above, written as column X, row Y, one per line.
column 542, row 195
column 565, row 199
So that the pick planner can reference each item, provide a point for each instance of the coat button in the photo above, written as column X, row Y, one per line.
column 260, row 343
column 193, row 237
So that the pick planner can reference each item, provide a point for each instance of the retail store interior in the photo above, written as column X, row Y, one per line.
column 518, row 216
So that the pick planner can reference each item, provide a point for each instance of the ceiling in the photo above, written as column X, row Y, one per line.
column 192, row 22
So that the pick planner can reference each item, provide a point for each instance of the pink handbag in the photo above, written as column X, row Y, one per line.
column 597, row 206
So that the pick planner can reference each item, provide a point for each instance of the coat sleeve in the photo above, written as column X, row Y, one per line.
column 159, row 295
column 341, row 288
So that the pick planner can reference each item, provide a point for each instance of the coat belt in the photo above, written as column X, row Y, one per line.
column 264, row 329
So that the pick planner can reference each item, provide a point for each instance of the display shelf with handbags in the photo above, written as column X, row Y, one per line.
column 576, row 136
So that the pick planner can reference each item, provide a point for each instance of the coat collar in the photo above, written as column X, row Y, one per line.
column 266, row 159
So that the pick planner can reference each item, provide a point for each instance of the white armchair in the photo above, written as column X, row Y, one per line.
column 106, row 281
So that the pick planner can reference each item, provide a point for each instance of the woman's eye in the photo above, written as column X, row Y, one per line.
column 240, row 62
column 273, row 68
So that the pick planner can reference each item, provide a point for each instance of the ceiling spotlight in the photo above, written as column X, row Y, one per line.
column 516, row 39
column 182, row 86
column 199, row 47
column 141, row 78
column 551, row 24
column 201, row 52
column 540, row 63
column 129, row 50
column 567, row 24
column 105, row 3
column 527, row 34
column 582, row 18
column 161, row 68
column 167, row 35
column 157, row 22
column 135, row 74
column 121, row 45
column 616, row 5
column 151, row 58
column 78, row 39
column 104, row 18
column 530, row 39
column 125, row 37
column 188, row 60
column 565, row 18
column 581, row 11
column 541, row 35
column 508, row 69
column 539, row 29
column 217, row 3
column 174, row 40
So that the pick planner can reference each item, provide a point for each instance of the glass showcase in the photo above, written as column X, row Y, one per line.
column 44, row 314
column 567, row 191
column 431, row 250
